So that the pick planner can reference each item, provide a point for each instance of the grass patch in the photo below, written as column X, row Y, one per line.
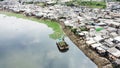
column 92, row 4
column 40, row 4
column 52, row 24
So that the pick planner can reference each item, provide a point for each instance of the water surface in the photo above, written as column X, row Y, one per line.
column 26, row 44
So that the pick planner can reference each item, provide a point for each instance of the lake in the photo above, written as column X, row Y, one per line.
column 26, row 44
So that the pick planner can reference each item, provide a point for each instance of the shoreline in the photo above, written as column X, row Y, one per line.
column 101, row 62
column 56, row 27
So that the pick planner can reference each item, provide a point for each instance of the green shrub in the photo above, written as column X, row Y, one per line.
column 74, row 30
column 69, row 27
column 69, row 3
column 29, row 2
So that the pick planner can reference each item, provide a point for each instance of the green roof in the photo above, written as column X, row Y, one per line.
column 99, row 29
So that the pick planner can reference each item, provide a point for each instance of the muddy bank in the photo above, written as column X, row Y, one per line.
column 101, row 62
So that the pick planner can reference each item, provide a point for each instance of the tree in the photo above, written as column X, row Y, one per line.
column 1, row 0
column 117, row 0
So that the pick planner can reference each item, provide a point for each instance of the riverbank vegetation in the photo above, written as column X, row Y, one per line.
column 92, row 4
column 118, row 0
column 50, row 23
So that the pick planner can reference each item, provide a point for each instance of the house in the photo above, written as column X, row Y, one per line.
column 111, row 29
column 98, row 38
column 118, row 31
column 109, row 43
column 86, row 33
column 104, row 47
column 104, row 33
column 67, row 23
column 113, row 53
column 10, row 2
column 118, row 46
column 93, row 46
column 92, row 32
column 39, row 14
column 102, row 24
column 113, row 34
column 117, row 38
column 28, row 12
column 90, row 41
column 117, row 63
column 101, row 51
column 112, row 23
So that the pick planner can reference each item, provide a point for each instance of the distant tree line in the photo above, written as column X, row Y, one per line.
column 1, row 0
column 117, row 0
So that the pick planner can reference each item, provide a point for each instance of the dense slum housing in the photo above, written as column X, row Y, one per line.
column 100, row 28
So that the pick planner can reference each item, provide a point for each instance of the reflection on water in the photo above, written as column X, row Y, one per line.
column 26, row 44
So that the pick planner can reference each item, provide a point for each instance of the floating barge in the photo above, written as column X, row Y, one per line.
column 62, row 45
